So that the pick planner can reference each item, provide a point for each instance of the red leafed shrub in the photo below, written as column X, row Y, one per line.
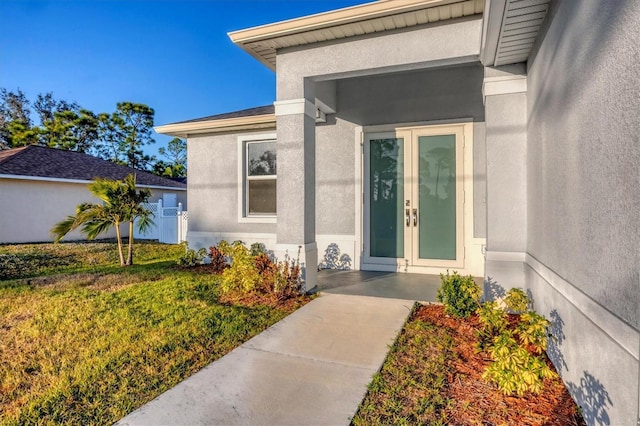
column 218, row 260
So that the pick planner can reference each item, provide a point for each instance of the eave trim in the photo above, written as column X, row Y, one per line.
column 184, row 130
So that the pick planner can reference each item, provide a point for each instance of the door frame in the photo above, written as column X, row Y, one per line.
column 472, row 258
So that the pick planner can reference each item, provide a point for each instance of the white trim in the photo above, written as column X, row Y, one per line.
column 412, row 269
column 506, row 256
column 61, row 180
column 246, row 237
column 258, row 219
column 242, row 140
column 621, row 332
column 382, row 128
column 337, row 237
column 292, row 249
column 260, row 42
column 296, row 106
column 252, row 122
column 359, row 196
column 503, row 85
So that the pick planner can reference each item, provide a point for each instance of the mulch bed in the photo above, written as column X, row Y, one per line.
column 476, row 402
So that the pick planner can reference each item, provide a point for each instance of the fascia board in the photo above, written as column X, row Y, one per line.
column 331, row 18
column 217, row 126
column 493, row 16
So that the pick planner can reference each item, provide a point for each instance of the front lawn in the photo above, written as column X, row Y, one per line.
column 84, row 341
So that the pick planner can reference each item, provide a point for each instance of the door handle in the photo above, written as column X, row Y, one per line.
column 407, row 218
column 415, row 217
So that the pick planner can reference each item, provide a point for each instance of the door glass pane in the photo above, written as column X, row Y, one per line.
column 386, row 195
column 437, row 197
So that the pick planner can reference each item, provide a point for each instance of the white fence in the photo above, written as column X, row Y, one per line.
column 170, row 224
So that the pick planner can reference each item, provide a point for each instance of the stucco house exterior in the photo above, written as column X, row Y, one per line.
column 498, row 138
column 41, row 186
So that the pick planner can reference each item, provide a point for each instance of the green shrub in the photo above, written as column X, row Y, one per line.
column 460, row 295
column 533, row 331
column 253, row 272
column 191, row 257
column 494, row 322
column 258, row 249
column 517, row 301
column 242, row 275
column 514, row 369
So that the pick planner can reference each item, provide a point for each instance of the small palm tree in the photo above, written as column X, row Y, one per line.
column 121, row 203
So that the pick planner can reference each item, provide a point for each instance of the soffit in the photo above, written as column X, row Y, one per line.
column 521, row 23
column 263, row 42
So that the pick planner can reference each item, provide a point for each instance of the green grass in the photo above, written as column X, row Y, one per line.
column 86, row 342
column 28, row 260
column 407, row 390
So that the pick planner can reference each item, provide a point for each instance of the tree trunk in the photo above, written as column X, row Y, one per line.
column 119, row 238
column 130, row 251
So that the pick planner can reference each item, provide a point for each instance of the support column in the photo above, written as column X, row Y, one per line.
column 296, row 230
column 505, row 99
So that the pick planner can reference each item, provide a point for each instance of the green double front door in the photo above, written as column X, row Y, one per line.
column 413, row 197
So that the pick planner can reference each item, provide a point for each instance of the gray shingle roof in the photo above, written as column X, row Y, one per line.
column 249, row 112
column 40, row 161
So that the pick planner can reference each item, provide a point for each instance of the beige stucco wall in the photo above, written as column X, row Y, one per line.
column 31, row 208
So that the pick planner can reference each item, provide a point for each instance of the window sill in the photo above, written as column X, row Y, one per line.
column 257, row 219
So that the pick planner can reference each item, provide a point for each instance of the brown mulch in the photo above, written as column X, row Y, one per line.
column 476, row 402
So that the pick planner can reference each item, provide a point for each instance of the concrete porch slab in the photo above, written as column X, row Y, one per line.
column 395, row 285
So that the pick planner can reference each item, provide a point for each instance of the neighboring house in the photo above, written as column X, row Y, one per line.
column 495, row 138
column 41, row 186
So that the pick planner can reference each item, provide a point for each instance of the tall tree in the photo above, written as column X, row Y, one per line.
column 121, row 203
column 15, row 120
column 62, row 124
column 176, row 155
column 125, row 132
column 46, row 106
column 70, row 130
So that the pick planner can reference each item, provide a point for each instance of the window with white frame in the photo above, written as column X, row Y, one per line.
column 259, row 180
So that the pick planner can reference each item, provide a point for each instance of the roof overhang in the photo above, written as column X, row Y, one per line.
column 188, row 129
column 510, row 30
column 262, row 42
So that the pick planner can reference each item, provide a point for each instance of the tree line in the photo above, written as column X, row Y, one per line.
column 119, row 136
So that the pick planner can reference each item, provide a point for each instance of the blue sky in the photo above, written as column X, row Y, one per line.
column 174, row 56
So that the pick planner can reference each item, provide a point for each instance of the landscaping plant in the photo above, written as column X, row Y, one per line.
column 218, row 260
column 191, row 257
column 493, row 321
column 517, row 301
column 460, row 295
column 253, row 273
column 121, row 203
column 242, row 275
column 514, row 369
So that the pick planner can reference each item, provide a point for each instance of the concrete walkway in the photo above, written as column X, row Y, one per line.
column 311, row 368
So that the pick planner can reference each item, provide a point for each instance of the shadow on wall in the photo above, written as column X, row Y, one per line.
column 556, row 332
column 589, row 394
column 493, row 290
column 334, row 259
column 593, row 399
